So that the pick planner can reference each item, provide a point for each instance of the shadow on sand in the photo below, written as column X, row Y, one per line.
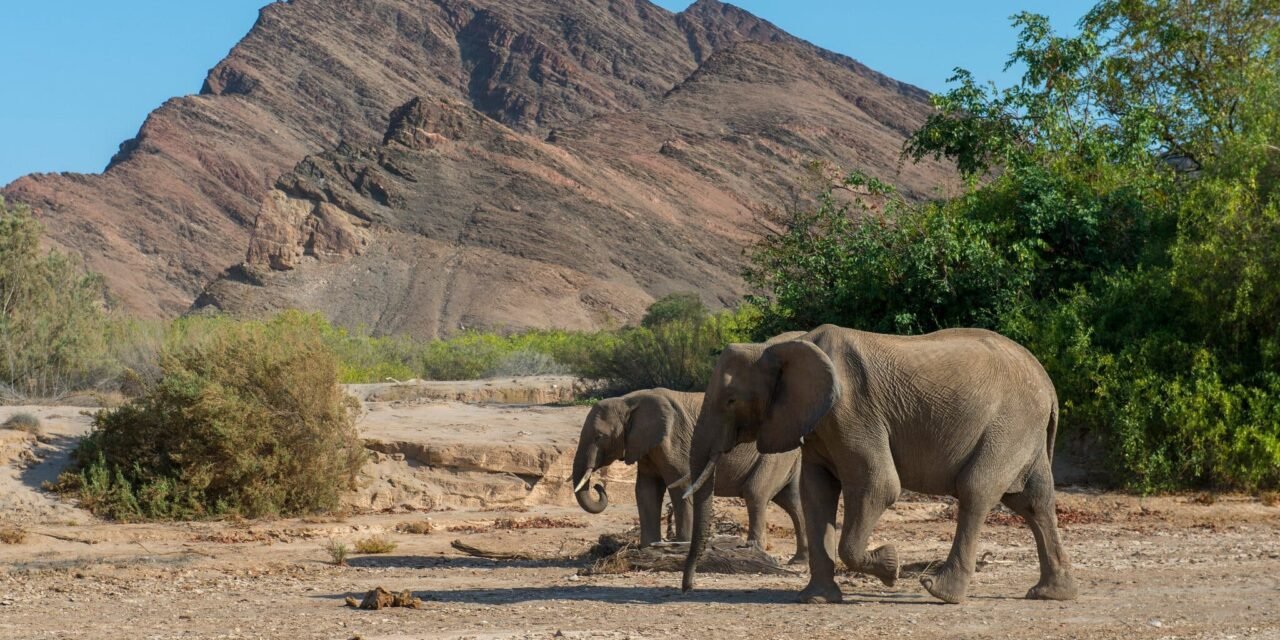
column 613, row 594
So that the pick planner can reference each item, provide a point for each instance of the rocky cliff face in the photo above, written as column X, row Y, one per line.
column 476, row 162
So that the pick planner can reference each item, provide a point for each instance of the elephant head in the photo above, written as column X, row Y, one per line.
column 623, row 428
column 773, row 394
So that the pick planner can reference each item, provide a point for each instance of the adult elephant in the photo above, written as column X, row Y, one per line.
column 961, row 412
column 653, row 429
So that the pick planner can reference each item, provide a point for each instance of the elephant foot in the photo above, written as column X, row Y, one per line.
column 799, row 558
column 948, row 585
column 1058, row 587
column 828, row 593
column 884, row 564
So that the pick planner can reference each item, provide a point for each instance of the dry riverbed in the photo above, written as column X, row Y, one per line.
column 1169, row 567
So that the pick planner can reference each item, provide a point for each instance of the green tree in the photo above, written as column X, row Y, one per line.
column 52, row 313
column 1122, row 221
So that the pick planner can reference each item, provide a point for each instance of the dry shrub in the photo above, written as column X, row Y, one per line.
column 338, row 552
column 421, row 527
column 248, row 421
column 615, row 553
column 22, row 422
column 375, row 545
column 12, row 535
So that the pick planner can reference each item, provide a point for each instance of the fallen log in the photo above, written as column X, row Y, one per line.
column 493, row 554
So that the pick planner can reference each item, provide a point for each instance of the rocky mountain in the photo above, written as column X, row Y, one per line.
column 474, row 162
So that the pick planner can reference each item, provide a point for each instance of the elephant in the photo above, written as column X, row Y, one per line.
column 961, row 412
column 652, row 429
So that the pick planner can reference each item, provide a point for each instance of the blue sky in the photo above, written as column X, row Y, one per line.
column 77, row 77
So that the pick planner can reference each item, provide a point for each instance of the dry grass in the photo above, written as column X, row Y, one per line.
column 12, row 535
column 375, row 545
column 516, row 524
column 1205, row 498
column 538, row 522
column 421, row 527
column 1270, row 498
column 23, row 422
column 1001, row 516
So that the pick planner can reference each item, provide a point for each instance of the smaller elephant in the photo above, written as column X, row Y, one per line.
column 653, row 429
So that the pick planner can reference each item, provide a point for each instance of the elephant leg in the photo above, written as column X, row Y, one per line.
column 1036, row 504
column 789, row 500
column 821, row 493
column 649, row 490
column 864, row 503
column 950, row 582
column 682, row 511
column 757, row 519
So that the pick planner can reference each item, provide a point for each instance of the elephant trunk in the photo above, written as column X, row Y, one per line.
column 701, row 531
column 582, row 470
column 702, row 472
column 592, row 504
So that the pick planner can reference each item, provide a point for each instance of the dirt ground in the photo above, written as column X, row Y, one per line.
column 1169, row 567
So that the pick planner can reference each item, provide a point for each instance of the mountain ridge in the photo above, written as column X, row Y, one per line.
column 182, row 202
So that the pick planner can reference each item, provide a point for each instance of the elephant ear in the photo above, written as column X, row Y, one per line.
column 804, row 391
column 648, row 425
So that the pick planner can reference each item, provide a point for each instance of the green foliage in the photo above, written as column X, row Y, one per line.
column 675, row 307
column 249, row 420
column 52, row 315
column 1122, row 221
column 678, row 354
column 338, row 552
column 375, row 545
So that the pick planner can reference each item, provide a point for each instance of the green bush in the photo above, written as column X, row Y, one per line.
column 250, row 420
column 675, row 307
column 52, row 315
column 677, row 354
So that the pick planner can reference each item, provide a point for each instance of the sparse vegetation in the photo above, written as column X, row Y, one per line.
column 250, row 421
column 12, row 535
column 375, row 545
column 338, row 552
column 22, row 422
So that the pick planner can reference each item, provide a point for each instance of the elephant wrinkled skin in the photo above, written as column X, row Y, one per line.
column 960, row 412
column 653, row 429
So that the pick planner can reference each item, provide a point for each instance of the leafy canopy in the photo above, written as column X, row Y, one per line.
column 1121, row 220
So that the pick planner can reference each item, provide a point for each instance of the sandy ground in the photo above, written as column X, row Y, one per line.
column 1167, row 567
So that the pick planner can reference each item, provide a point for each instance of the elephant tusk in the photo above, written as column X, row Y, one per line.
column 706, row 473
column 682, row 482
column 586, row 477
